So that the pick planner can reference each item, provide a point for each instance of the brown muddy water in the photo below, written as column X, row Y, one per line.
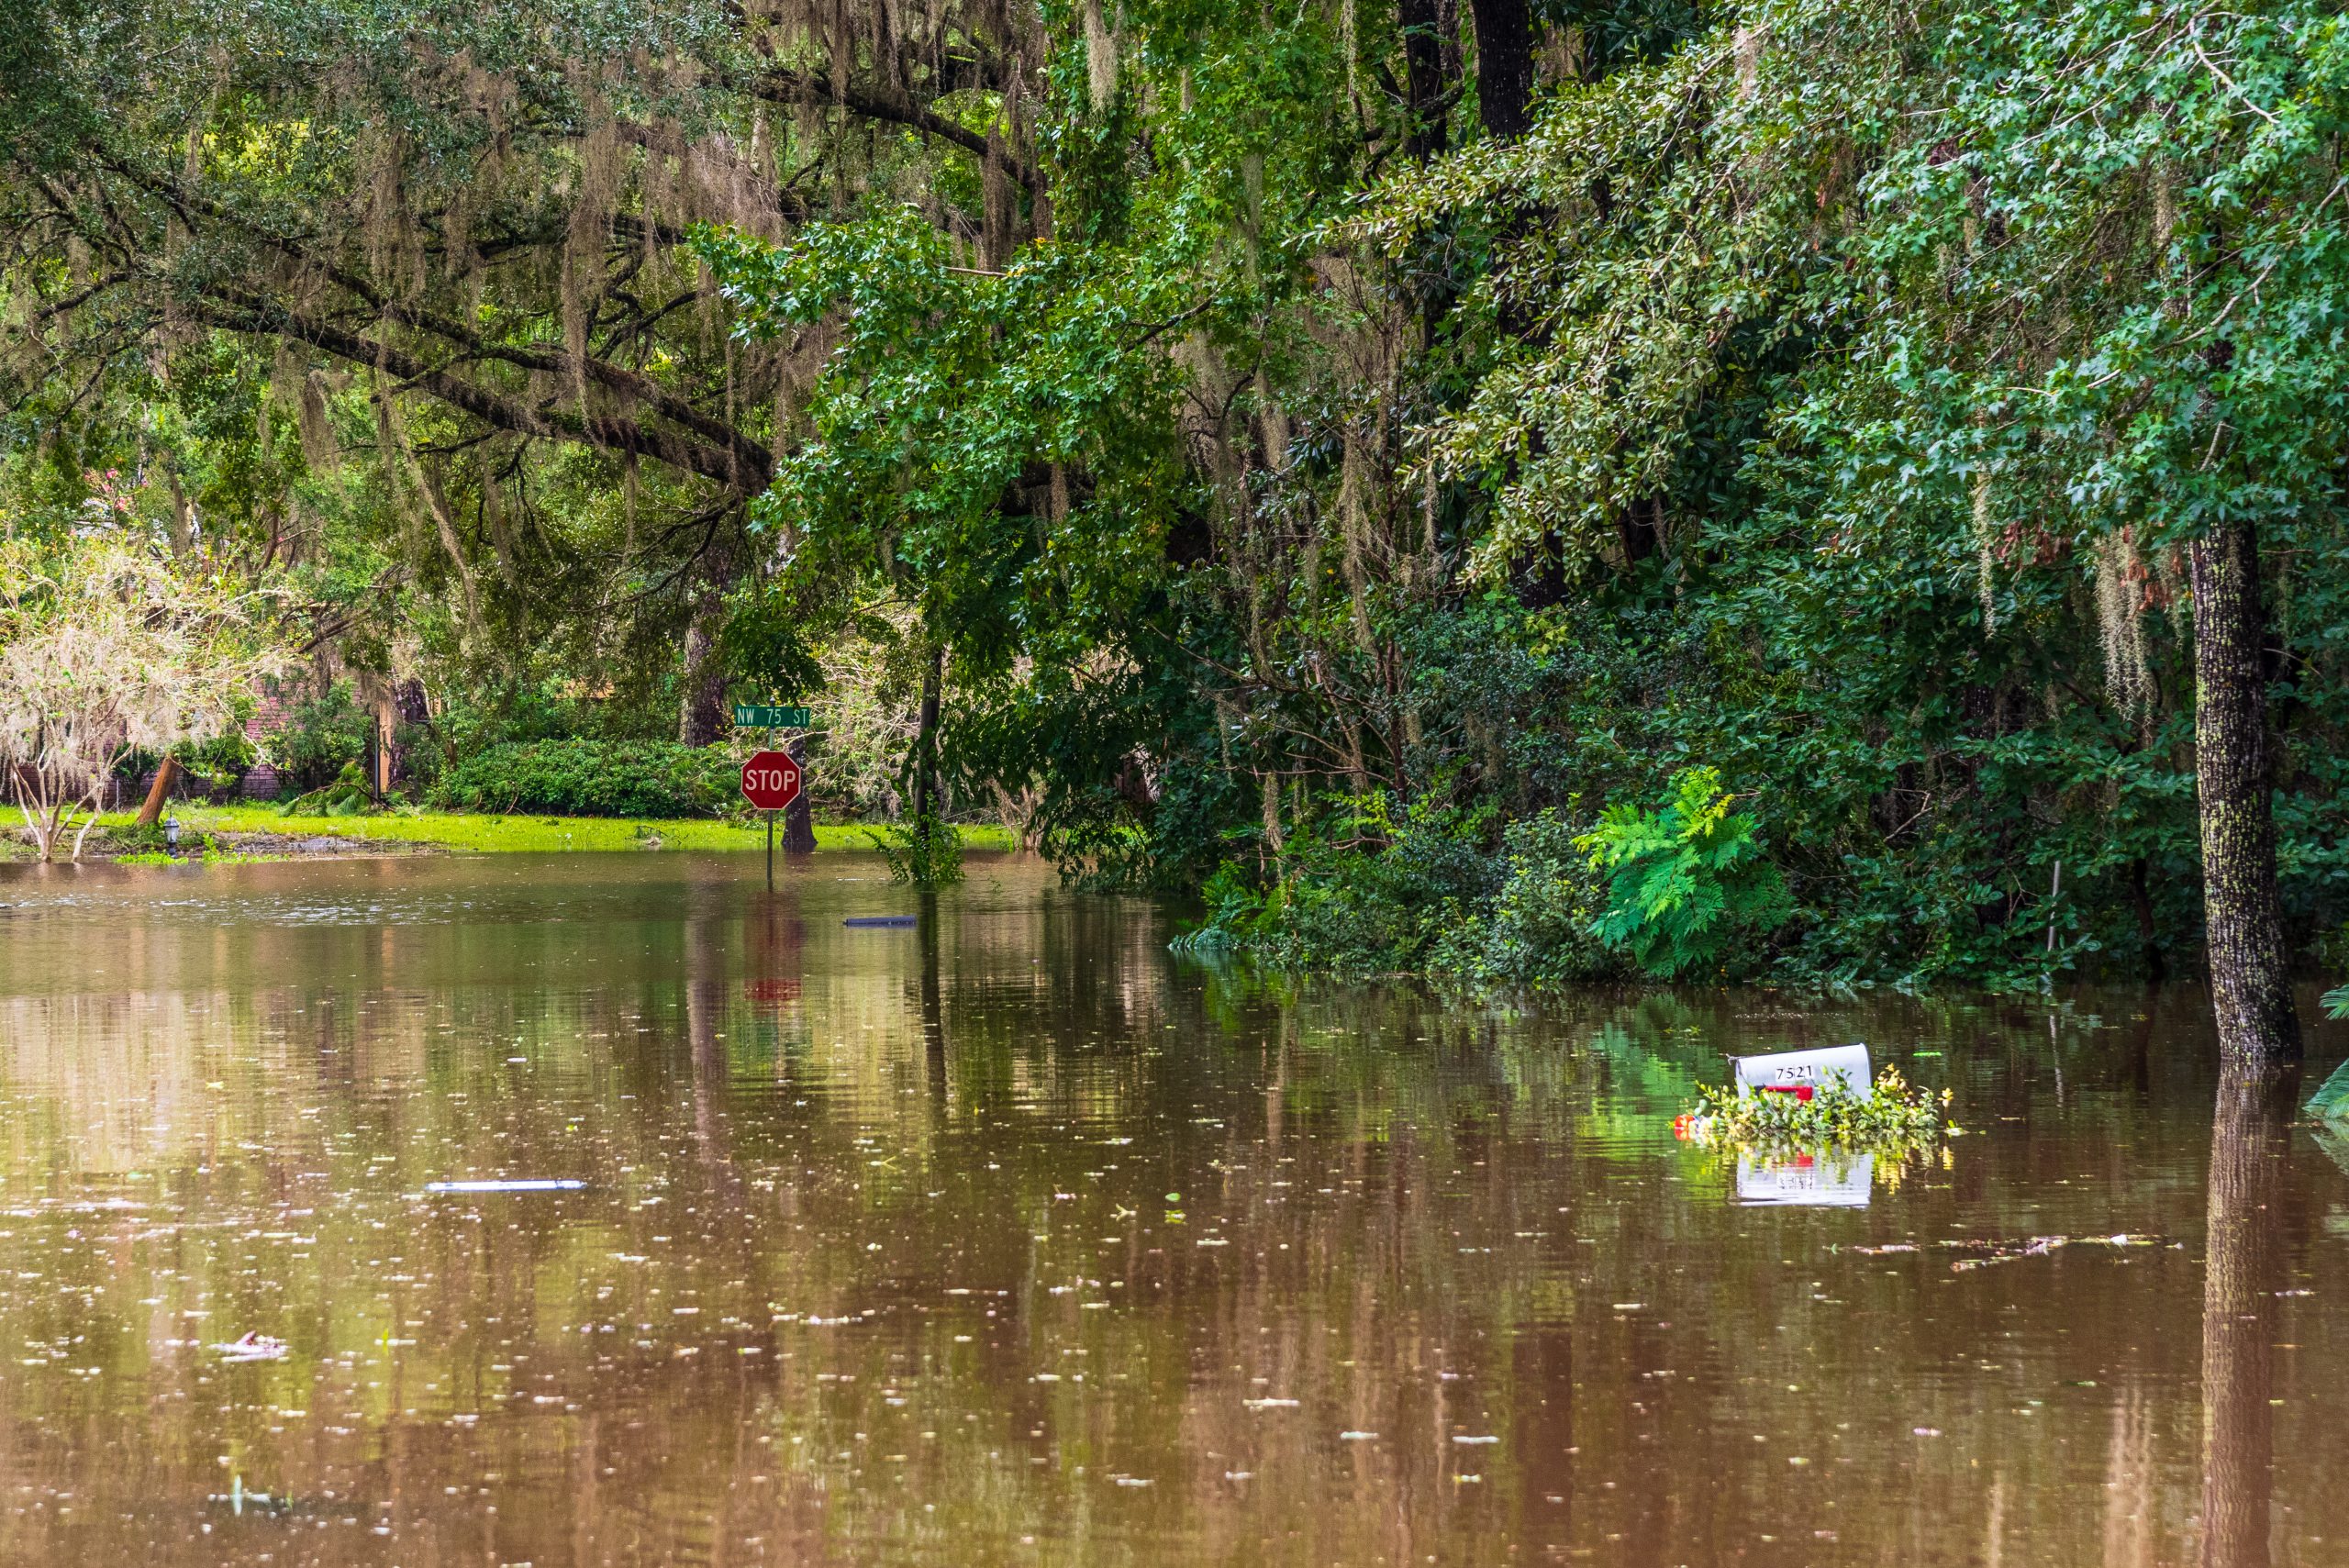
column 1013, row 1239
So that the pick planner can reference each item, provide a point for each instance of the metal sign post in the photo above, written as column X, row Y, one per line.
column 771, row 782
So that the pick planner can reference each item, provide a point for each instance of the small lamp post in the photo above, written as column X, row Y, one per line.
column 171, row 832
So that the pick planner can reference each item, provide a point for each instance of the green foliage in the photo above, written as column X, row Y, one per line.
column 1539, row 928
column 594, row 778
column 1892, row 1118
column 1686, row 879
column 1435, row 892
column 321, row 737
column 766, row 644
column 1829, row 394
column 220, row 762
column 1365, row 893
column 923, row 852
column 348, row 796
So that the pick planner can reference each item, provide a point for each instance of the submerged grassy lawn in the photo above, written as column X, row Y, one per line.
column 493, row 835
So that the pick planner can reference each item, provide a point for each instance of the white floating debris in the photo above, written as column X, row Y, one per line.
column 252, row 1347
column 525, row 1185
column 1357, row 1437
column 1468, row 1439
column 1270, row 1403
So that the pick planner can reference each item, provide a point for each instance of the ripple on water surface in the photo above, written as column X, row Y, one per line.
column 609, row 1209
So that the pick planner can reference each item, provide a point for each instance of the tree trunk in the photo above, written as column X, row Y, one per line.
column 798, row 818
column 1504, row 66
column 703, row 712
column 1422, row 79
column 2242, row 1270
column 166, row 774
column 2250, row 967
column 926, row 741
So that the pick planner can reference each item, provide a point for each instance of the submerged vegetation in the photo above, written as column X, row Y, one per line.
column 1786, row 491
column 1889, row 1117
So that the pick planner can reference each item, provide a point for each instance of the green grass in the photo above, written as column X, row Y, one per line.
column 493, row 835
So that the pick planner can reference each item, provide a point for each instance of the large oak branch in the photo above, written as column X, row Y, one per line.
column 192, row 206
column 236, row 312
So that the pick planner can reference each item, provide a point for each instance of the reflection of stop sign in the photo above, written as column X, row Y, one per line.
column 771, row 781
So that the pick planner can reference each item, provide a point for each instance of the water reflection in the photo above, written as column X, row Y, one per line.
column 1821, row 1180
column 1005, row 1238
column 2242, row 1289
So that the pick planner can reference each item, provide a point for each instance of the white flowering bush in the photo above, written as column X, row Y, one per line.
column 107, row 648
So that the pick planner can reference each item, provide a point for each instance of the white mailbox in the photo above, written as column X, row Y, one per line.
column 1817, row 1181
column 1804, row 1073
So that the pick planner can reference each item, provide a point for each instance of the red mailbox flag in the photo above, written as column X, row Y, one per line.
column 771, row 781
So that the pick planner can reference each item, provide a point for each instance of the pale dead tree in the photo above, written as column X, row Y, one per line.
column 105, row 650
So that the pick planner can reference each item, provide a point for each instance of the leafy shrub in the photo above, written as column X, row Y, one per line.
column 1892, row 1118
column 220, row 762
column 593, row 778
column 1538, row 929
column 1351, row 903
column 324, row 736
column 1684, row 879
column 925, row 852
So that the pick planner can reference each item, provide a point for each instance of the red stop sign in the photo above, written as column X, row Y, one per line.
column 771, row 781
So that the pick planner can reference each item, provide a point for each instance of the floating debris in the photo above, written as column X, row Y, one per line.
column 520, row 1185
column 878, row 920
column 2039, row 1247
column 252, row 1347
column 238, row 1500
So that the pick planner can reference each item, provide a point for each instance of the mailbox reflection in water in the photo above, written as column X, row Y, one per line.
column 1821, row 1181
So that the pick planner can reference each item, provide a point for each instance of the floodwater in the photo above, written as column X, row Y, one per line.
column 1012, row 1238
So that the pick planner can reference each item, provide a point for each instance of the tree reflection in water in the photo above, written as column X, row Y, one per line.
column 2242, row 1274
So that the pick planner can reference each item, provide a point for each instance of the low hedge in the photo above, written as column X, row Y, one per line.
column 593, row 778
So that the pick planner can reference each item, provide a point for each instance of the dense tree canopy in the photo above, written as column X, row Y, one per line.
column 1326, row 455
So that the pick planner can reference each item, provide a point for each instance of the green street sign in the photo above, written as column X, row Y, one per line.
column 760, row 715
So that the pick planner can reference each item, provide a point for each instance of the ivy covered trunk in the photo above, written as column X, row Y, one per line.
column 925, row 791
column 2250, row 967
column 2242, row 1271
column 800, row 816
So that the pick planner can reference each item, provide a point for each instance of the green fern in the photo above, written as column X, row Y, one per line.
column 1683, row 879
